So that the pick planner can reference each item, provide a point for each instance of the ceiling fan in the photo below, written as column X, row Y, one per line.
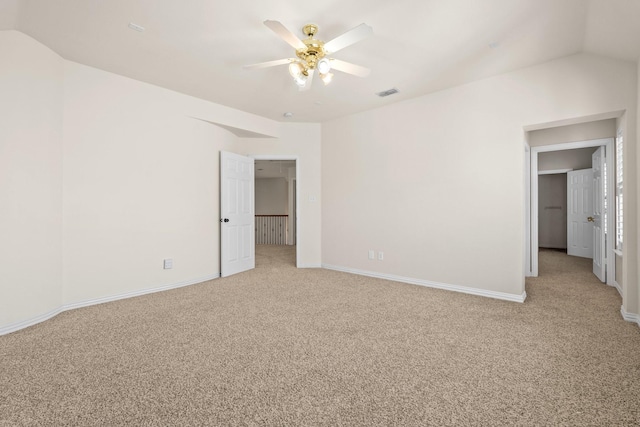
column 313, row 54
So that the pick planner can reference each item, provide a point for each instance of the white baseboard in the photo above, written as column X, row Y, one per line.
column 630, row 317
column 132, row 294
column 309, row 266
column 617, row 286
column 13, row 327
column 430, row 284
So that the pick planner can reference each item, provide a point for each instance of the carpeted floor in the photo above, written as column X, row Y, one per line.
column 278, row 346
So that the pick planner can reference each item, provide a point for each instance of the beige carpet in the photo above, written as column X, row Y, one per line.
column 279, row 346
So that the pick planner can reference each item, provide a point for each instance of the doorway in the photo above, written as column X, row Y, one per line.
column 276, row 196
column 552, row 210
column 533, row 196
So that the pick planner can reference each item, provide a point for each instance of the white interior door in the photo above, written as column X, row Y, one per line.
column 237, row 214
column 579, row 209
column 598, row 217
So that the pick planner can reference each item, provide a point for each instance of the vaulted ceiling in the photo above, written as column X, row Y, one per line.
column 198, row 47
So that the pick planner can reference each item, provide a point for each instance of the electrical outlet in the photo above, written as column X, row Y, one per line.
column 380, row 256
column 168, row 263
column 372, row 254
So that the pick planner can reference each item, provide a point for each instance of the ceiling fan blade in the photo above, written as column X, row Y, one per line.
column 307, row 85
column 349, row 68
column 268, row 64
column 352, row 36
column 285, row 34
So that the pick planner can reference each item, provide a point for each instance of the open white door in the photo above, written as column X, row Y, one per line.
column 237, row 231
column 579, row 209
column 598, row 217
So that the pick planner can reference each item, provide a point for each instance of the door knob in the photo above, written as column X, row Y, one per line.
column 590, row 219
column 225, row 220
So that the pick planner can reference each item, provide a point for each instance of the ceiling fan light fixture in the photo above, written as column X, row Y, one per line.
column 312, row 54
column 295, row 69
column 300, row 80
column 323, row 66
column 326, row 78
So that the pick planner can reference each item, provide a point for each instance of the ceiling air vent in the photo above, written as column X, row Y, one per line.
column 387, row 92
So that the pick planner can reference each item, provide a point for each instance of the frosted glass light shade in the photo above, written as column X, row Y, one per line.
column 295, row 69
column 323, row 66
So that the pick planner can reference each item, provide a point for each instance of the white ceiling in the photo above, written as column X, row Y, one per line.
column 198, row 47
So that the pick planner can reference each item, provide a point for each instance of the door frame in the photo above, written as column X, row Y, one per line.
column 531, row 267
column 297, row 198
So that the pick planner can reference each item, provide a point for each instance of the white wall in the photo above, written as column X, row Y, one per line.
column 30, row 178
column 139, row 182
column 631, row 256
column 141, row 185
column 272, row 196
column 436, row 182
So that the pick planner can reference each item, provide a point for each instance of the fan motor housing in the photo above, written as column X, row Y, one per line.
column 314, row 50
